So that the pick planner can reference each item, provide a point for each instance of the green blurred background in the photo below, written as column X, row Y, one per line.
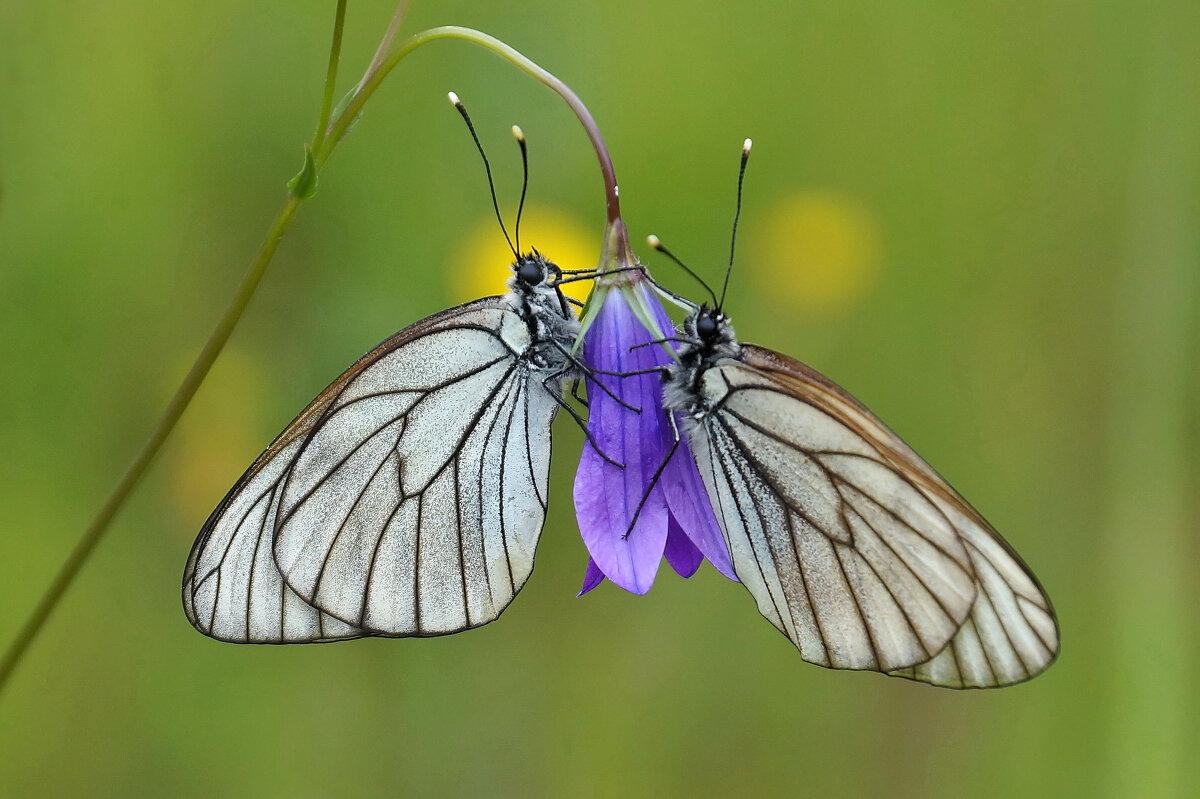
column 982, row 220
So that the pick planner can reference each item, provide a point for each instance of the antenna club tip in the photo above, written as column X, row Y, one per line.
column 454, row 101
column 746, row 145
column 518, row 134
column 653, row 242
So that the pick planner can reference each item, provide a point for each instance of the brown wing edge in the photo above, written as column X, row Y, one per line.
column 304, row 421
column 307, row 418
column 817, row 389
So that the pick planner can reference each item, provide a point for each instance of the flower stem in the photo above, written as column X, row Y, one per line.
column 385, row 43
column 335, row 51
column 328, row 134
column 183, row 395
column 339, row 126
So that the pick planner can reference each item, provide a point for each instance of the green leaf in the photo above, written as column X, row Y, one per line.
column 345, row 101
column 304, row 185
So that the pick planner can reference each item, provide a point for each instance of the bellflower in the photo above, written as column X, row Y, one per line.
column 676, row 520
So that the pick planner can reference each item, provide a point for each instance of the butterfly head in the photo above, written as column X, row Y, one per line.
column 531, row 271
column 710, row 333
column 535, row 281
column 707, row 326
column 707, row 337
column 534, row 294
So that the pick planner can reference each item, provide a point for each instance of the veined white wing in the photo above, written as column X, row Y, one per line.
column 1011, row 636
column 852, row 545
column 232, row 590
column 415, row 505
column 426, row 377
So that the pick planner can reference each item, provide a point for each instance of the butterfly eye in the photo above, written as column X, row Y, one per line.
column 706, row 327
column 530, row 273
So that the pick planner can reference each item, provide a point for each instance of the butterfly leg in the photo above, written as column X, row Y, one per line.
column 575, row 384
column 591, row 370
column 662, row 467
column 683, row 302
column 667, row 340
column 590, row 373
column 591, row 274
column 660, row 370
column 578, row 419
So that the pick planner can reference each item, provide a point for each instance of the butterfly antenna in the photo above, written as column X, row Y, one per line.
column 736, row 215
column 519, row 135
column 658, row 245
column 486, row 166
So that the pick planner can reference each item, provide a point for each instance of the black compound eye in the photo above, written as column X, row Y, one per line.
column 530, row 273
column 706, row 327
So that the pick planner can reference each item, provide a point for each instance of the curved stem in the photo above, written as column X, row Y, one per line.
column 385, row 43
column 335, row 52
column 325, row 140
column 339, row 126
column 183, row 395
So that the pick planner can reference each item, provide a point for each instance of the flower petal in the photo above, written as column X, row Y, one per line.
column 591, row 578
column 680, row 552
column 690, row 507
column 605, row 509
column 685, row 493
column 607, row 496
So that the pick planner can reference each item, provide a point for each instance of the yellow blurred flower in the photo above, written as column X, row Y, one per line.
column 218, row 437
column 817, row 250
column 479, row 265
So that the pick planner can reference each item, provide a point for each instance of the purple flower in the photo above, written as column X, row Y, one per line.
column 676, row 520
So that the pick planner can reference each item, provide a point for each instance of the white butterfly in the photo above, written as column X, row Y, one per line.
column 408, row 497
column 852, row 545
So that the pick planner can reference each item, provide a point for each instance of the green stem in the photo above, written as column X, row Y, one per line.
column 339, row 126
column 183, row 395
column 385, row 44
column 335, row 51
column 133, row 474
column 326, row 138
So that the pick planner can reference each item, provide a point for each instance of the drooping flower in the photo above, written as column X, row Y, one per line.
column 643, row 498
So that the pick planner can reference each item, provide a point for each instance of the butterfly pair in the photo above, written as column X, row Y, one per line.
column 408, row 498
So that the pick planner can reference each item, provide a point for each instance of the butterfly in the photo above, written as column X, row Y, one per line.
column 407, row 499
column 851, row 544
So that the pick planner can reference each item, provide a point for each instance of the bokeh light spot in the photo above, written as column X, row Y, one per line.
column 817, row 250
column 218, row 438
column 479, row 265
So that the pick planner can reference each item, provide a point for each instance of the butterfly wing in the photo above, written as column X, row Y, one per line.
column 415, row 504
column 851, row 544
column 232, row 587
column 1011, row 635
column 232, row 590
